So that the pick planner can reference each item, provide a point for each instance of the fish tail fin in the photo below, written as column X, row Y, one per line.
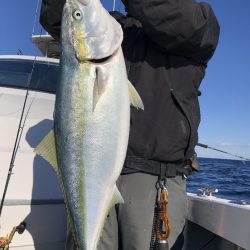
column 135, row 99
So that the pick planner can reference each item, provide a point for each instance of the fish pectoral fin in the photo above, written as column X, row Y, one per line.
column 117, row 197
column 100, row 85
column 135, row 99
column 47, row 149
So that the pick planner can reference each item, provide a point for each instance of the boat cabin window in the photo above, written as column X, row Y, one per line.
column 17, row 73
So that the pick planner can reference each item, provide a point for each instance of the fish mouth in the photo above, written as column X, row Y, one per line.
column 98, row 61
column 104, row 60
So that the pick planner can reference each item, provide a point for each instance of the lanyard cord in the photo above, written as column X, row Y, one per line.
column 161, row 224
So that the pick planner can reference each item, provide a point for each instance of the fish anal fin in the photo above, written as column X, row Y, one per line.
column 135, row 99
column 47, row 149
column 117, row 198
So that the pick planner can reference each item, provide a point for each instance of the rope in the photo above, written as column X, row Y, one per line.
column 161, row 224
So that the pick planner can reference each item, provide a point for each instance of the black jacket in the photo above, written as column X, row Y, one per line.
column 167, row 44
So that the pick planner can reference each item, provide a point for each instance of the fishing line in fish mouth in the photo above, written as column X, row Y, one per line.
column 221, row 151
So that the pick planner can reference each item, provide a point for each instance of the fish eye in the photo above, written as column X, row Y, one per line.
column 77, row 15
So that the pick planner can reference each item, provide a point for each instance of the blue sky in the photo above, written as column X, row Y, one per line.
column 225, row 100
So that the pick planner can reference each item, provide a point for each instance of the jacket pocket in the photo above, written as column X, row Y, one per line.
column 190, row 108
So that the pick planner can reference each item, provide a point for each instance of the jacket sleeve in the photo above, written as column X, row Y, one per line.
column 51, row 15
column 183, row 27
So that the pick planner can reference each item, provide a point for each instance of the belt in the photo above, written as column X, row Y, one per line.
column 163, row 169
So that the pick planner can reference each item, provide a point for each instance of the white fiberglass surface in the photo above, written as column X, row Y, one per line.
column 32, row 177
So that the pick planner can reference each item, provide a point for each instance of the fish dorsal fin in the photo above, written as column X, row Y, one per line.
column 135, row 99
column 47, row 149
column 100, row 85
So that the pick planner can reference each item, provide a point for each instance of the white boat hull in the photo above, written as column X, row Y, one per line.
column 33, row 194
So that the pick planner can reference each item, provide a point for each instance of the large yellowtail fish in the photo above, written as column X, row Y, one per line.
column 88, row 144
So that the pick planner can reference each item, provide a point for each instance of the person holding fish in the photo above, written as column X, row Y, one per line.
column 145, row 151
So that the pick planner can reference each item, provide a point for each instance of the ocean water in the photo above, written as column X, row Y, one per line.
column 230, row 177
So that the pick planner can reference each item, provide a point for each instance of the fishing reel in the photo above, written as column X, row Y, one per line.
column 5, row 241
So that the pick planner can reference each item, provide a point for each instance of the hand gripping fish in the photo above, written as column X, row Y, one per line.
column 88, row 144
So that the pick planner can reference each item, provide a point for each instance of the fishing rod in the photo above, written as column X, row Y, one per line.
column 221, row 151
column 22, row 121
